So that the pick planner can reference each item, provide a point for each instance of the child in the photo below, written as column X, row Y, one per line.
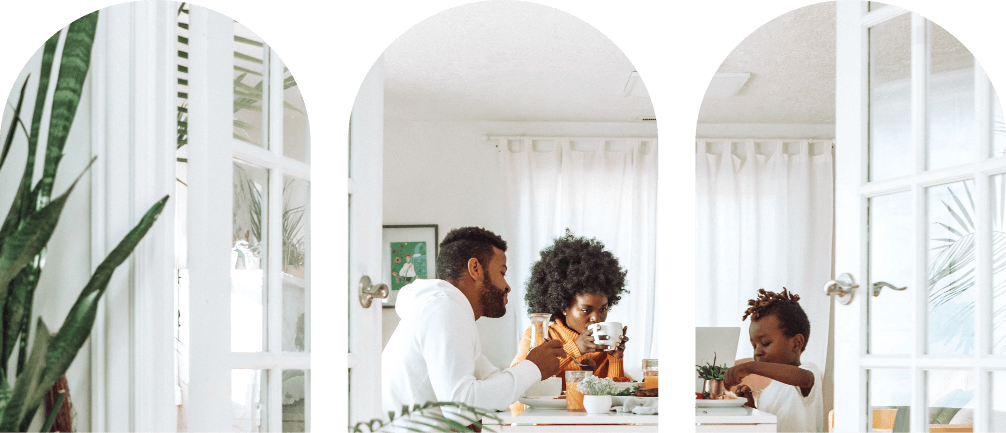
column 779, row 331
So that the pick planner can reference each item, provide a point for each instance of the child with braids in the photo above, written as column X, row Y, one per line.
column 779, row 331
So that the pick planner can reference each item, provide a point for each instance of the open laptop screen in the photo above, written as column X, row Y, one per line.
column 721, row 341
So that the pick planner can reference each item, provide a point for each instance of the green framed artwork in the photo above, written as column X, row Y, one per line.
column 409, row 253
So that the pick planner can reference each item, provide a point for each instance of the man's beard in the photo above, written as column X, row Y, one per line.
column 492, row 299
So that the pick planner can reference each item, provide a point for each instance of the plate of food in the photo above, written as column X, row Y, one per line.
column 544, row 402
column 726, row 401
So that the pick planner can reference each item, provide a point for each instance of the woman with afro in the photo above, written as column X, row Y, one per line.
column 577, row 281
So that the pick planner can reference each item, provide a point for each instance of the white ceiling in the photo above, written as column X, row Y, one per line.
column 792, row 64
column 509, row 61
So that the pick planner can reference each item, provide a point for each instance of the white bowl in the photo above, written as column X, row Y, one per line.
column 597, row 403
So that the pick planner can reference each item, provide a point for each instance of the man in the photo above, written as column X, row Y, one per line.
column 435, row 353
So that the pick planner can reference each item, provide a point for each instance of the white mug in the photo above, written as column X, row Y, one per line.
column 612, row 329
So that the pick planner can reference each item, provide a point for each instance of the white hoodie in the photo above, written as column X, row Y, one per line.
column 435, row 354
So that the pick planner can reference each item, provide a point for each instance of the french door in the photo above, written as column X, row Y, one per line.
column 366, row 150
column 920, row 177
column 247, row 164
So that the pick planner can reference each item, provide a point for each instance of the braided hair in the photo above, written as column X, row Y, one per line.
column 785, row 307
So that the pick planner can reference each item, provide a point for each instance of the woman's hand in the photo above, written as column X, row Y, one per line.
column 620, row 347
column 585, row 342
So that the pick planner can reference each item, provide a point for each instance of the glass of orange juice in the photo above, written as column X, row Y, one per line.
column 650, row 376
column 574, row 398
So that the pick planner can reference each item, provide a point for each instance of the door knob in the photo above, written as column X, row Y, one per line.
column 368, row 292
column 881, row 284
column 843, row 286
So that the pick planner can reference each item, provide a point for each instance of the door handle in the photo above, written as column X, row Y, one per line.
column 368, row 292
column 881, row 284
column 843, row 286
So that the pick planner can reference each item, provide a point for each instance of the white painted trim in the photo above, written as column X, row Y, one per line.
column 209, row 210
column 154, row 177
column 133, row 137
column 99, row 59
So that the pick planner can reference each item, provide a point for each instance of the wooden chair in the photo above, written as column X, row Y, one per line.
column 883, row 421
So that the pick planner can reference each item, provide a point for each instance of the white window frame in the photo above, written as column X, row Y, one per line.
column 212, row 151
column 133, row 137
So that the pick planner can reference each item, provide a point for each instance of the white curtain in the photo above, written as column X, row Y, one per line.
column 763, row 220
column 604, row 188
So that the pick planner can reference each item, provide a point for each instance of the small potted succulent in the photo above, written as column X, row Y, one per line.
column 713, row 374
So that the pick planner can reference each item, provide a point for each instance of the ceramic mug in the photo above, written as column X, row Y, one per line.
column 611, row 329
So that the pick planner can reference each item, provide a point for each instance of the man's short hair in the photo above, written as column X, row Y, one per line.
column 462, row 244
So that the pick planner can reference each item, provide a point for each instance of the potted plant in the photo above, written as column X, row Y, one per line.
column 713, row 374
column 26, row 231
column 597, row 393
column 429, row 416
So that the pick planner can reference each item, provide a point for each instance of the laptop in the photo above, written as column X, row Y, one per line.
column 721, row 341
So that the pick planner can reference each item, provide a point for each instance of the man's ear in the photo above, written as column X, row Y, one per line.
column 474, row 268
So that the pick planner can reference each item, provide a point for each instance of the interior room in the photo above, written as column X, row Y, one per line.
column 849, row 152
column 177, row 279
column 526, row 121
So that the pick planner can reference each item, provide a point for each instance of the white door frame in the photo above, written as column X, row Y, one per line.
column 852, row 191
column 212, row 152
column 365, row 217
column 133, row 136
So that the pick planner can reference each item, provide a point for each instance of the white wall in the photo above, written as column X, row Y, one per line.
column 68, row 259
column 430, row 169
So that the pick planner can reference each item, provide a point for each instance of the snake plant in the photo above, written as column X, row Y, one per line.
column 26, row 230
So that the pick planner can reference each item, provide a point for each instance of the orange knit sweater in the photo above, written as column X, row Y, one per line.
column 607, row 365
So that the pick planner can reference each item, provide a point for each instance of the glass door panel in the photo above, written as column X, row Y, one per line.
column 295, row 397
column 998, row 128
column 248, row 392
column 950, row 101
column 295, row 129
column 998, row 392
column 951, row 246
column 950, row 397
column 890, row 231
column 890, row 99
column 249, row 74
column 296, row 298
column 248, row 257
column 998, row 235
column 890, row 398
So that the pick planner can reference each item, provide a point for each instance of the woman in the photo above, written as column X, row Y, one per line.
column 577, row 281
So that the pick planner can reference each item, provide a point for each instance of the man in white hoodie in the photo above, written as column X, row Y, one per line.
column 435, row 353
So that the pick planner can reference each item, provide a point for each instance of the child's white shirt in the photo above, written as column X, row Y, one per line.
column 793, row 411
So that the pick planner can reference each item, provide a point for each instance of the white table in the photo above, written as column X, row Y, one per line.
column 733, row 419
column 561, row 420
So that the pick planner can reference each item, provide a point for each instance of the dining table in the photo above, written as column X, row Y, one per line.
column 524, row 418
column 733, row 419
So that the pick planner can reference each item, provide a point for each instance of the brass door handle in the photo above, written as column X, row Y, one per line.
column 843, row 286
column 368, row 292
column 881, row 284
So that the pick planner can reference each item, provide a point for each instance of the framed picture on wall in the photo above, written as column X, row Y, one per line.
column 409, row 253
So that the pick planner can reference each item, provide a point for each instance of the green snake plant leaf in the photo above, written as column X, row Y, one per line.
column 10, row 132
column 79, row 321
column 29, row 388
column 56, row 406
column 74, row 63
column 30, row 238
column 5, row 392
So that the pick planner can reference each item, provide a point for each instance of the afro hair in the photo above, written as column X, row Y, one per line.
column 462, row 244
column 570, row 266
column 784, row 306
